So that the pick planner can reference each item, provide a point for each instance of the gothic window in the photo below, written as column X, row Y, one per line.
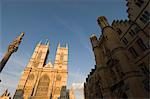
column 61, row 56
column 136, row 30
column 58, row 77
column 57, row 91
column 147, row 14
column 139, row 2
column 146, row 72
column 43, row 85
column 39, row 55
column 35, row 63
column 145, row 17
column 119, row 31
column 106, row 38
column 143, row 20
column 133, row 52
column 141, row 44
column 132, row 32
column 144, row 69
column 125, row 41
column 31, row 77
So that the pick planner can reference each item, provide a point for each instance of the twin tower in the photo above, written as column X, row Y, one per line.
column 44, row 81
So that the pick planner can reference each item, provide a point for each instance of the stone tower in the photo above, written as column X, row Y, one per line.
column 60, row 68
column 40, row 80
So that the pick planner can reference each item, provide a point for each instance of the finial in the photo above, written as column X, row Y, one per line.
column 47, row 42
column 59, row 45
column 94, row 40
column 40, row 42
column 93, row 36
column 102, row 21
column 22, row 34
column 67, row 46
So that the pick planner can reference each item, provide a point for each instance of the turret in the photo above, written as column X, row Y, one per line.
column 119, row 53
column 102, row 21
column 61, row 59
column 97, row 51
column 109, row 34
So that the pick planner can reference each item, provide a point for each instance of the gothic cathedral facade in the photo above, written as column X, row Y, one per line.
column 40, row 80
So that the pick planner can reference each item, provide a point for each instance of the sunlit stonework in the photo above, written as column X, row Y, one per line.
column 44, row 81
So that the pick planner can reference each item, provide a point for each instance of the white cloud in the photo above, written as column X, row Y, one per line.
column 78, row 86
column 78, row 89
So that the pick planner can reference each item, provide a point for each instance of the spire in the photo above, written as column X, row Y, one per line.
column 47, row 42
column 6, row 93
column 59, row 45
column 67, row 46
column 40, row 42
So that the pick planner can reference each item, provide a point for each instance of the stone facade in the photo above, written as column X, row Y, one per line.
column 122, row 56
column 71, row 93
column 40, row 80
column 67, row 93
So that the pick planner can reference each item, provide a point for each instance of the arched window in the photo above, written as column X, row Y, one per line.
column 31, row 77
column 57, row 90
column 139, row 3
column 145, row 17
column 61, row 56
column 43, row 85
column 39, row 55
column 119, row 31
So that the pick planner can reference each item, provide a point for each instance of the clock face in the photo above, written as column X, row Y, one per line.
column 58, row 77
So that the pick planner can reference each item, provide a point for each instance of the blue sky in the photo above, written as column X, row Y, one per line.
column 64, row 21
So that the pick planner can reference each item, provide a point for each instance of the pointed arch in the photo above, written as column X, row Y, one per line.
column 57, row 90
column 61, row 56
column 43, row 85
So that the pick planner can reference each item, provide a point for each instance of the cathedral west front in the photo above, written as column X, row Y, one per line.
column 44, row 81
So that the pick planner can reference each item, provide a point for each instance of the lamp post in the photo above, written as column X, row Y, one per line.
column 13, row 47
